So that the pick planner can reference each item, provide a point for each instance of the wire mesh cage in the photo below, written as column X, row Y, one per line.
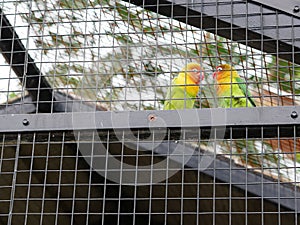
column 149, row 112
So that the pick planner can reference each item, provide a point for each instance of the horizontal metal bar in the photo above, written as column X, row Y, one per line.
column 248, row 22
column 192, row 118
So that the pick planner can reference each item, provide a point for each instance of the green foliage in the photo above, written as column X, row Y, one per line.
column 80, row 4
column 12, row 95
column 285, row 74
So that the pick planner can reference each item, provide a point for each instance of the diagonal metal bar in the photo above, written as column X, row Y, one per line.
column 226, row 171
column 290, row 7
column 252, row 23
column 24, row 66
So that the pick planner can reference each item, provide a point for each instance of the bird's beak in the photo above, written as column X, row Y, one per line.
column 214, row 75
column 199, row 77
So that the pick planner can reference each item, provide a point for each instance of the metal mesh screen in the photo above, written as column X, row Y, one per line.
column 125, row 57
column 46, row 180
column 104, row 120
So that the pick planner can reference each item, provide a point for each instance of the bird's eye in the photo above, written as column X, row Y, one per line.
column 195, row 70
column 219, row 68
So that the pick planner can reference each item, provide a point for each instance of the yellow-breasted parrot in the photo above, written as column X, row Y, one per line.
column 231, row 88
column 232, row 92
column 184, row 88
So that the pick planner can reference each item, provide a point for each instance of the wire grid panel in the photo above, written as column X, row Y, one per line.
column 47, row 179
column 70, row 56
column 124, row 57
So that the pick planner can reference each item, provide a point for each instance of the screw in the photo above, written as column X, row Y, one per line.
column 296, row 9
column 294, row 115
column 25, row 122
column 152, row 117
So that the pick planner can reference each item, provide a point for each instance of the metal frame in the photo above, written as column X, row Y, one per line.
column 229, row 122
column 234, row 119
column 245, row 27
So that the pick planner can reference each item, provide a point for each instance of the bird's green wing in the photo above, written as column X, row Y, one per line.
column 243, row 87
column 177, row 98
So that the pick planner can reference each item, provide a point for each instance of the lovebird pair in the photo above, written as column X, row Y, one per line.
column 231, row 89
column 231, row 92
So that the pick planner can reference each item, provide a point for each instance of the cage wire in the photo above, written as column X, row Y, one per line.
column 76, row 56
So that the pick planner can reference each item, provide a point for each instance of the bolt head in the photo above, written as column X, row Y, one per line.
column 296, row 9
column 25, row 122
column 294, row 114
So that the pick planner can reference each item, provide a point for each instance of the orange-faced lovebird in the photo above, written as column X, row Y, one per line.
column 231, row 89
column 232, row 92
column 184, row 89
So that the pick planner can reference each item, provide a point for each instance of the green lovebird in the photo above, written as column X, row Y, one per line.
column 184, row 88
column 232, row 92
column 231, row 88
